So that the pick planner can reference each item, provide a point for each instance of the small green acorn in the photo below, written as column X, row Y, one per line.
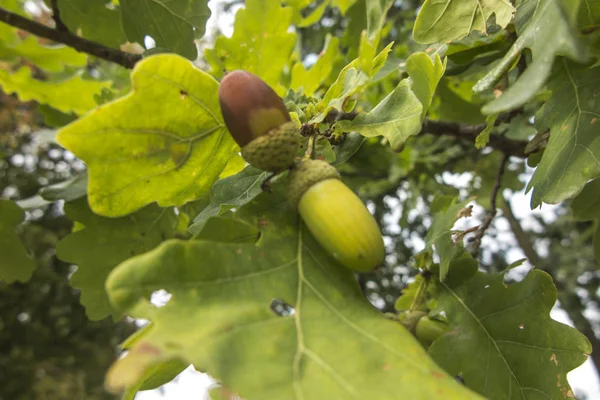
column 335, row 215
column 258, row 121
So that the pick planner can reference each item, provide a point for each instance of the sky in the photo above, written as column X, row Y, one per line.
column 193, row 385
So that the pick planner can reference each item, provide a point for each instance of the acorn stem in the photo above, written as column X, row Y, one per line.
column 310, row 149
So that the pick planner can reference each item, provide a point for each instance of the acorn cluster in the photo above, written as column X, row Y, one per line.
column 261, row 125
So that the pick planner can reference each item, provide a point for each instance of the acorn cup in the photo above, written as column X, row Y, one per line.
column 258, row 121
column 335, row 216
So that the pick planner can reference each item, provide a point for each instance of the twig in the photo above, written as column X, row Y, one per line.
column 491, row 212
column 60, row 25
column 508, row 146
column 511, row 147
column 127, row 60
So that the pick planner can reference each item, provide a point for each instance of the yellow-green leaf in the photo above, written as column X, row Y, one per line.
column 260, row 44
column 165, row 142
column 72, row 95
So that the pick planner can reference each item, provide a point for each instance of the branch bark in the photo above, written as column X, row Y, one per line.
column 569, row 300
column 491, row 212
column 511, row 147
column 64, row 36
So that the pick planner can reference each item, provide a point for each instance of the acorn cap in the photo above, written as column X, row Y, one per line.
column 306, row 174
column 275, row 151
column 249, row 106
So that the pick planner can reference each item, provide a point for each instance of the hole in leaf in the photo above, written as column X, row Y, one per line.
column 160, row 298
column 281, row 308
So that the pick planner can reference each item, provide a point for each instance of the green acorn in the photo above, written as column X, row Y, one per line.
column 335, row 216
column 428, row 329
column 258, row 121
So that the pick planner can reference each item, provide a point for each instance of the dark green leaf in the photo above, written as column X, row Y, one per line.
column 233, row 191
column 546, row 40
column 15, row 263
column 173, row 24
column 572, row 115
column 524, row 353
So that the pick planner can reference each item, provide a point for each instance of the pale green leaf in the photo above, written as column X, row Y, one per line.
column 425, row 72
column 524, row 353
column 219, row 319
column 544, row 27
column 484, row 137
column 396, row 118
column 50, row 58
column 233, row 191
column 342, row 5
column 376, row 15
column 448, row 20
column 315, row 16
column 260, row 44
column 173, row 24
column 572, row 114
column 103, row 243
column 15, row 263
column 351, row 80
column 94, row 20
column 440, row 234
column 164, row 142
column 72, row 95
column 309, row 81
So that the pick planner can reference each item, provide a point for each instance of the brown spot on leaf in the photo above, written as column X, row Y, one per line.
column 386, row 367
column 147, row 348
column 437, row 374
column 553, row 358
column 594, row 121
column 465, row 212
column 183, row 94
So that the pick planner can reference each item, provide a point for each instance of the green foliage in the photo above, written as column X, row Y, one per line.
column 173, row 24
column 352, row 79
column 233, row 191
column 524, row 353
column 102, row 243
column 448, row 20
column 171, row 153
column 49, row 58
column 295, row 352
column 447, row 243
column 71, row 95
column 93, row 19
column 545, row 40
column 262, row 49
column 15, row 263
column 570, row 114
column 586, row 207
column 159, row 197
column 309, row 81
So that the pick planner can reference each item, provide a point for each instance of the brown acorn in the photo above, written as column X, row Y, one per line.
column 258, row 121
